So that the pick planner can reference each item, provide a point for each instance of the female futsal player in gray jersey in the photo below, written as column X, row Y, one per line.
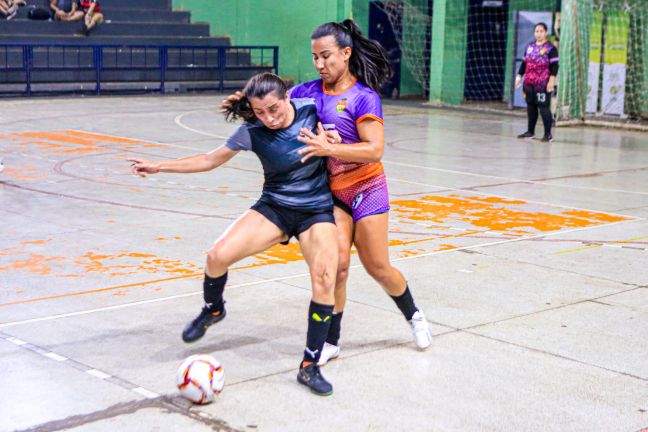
column 296, row 201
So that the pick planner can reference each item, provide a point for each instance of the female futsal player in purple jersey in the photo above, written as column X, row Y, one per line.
column 352, row 68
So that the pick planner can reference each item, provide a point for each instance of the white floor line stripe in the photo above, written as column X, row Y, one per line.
column 98, row 374
column 146, row 393
column 179, row 117
column 16, row 341
column 178, row 121
column 510, row 179
column 142, row 302
column 282, row 278
column 55, row 357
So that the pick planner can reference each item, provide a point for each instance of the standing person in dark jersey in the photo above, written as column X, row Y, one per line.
column 352, row 69
column 539, row 69
column 296, row 201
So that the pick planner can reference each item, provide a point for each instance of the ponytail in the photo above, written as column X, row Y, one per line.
column 258, row 86
column 368, row 62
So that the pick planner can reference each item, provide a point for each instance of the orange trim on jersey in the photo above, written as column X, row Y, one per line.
column 370, row 116
column 349, row 178
column 330, row 93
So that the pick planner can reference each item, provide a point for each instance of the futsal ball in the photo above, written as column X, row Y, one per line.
column 200, row 378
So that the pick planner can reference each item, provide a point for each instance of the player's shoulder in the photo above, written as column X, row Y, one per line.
column 363, row 91
column 307, row 89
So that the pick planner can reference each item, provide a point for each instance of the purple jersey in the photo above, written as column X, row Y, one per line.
column 361, row 187
column 538, row 59
column 343, row 111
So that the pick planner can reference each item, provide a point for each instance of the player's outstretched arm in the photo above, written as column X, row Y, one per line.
column 192, row 164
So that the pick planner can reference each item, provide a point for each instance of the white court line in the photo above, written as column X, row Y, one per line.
column 178, row 121
column 56, row 357
column 146, row 393
column 512, row 179
column 98, row 374
column 178, row 118
column 16, row 341
column 282, row 278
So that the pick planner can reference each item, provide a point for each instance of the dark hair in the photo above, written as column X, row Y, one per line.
column 258, row 86
column 368, row 62
column 541, row 24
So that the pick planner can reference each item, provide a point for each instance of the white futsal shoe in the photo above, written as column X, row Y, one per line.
column 329, row 352
column 420, row 330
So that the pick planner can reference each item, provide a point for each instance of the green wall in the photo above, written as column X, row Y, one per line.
column 256, row 22
column 448, row 59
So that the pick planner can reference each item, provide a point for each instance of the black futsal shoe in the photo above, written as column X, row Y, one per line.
column 312, row 378
column 547, row 138
column 526, row 135
column 197, row 328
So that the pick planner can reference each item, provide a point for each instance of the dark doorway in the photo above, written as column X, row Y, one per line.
column 380, row 30
column 486, row 50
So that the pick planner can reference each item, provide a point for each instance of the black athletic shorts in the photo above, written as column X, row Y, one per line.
column 534, row 97
column 292, row 222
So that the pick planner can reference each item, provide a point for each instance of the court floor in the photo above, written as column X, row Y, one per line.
column 530, row 261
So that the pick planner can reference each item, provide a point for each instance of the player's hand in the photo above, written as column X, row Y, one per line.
column 333, row 137
column 142, row 168
column 229, row 100
column 316, row 144
column 88, row 19
column 518, row 81
column 550, row 87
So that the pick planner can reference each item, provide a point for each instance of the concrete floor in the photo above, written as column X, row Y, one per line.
column 530, row 261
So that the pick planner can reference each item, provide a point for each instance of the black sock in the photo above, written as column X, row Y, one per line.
column 213, row 292
column 319, row 321
column 405, row 303
column 334, row 331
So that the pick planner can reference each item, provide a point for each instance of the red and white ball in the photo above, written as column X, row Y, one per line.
column 200, row 378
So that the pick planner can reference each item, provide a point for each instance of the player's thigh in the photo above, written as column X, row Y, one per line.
column 250, row 234
column 76, row 16
column 371, row 241
column 319, row 247
column 98, row 18
column 345, row 232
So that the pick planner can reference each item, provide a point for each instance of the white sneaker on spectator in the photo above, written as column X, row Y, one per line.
column 329, row 352
column 420, row 330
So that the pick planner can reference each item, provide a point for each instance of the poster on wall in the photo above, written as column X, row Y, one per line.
column 524, row 35
column 594, row 70
column 615, row 58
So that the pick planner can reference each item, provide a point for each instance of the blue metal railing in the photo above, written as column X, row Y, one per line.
column 161, row 59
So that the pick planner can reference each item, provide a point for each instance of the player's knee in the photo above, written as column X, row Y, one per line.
column 323, row 276
column 381, row 273
column 344, row 262
column 217, row 256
